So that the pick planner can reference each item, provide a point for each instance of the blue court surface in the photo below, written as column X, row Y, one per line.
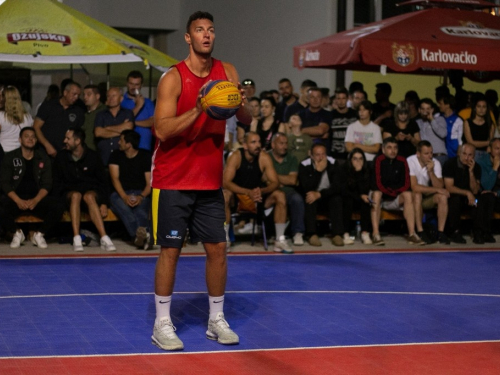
column 83, row 306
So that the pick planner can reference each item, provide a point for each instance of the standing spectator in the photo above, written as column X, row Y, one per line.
column 354, row 87
column 55, row 117
column 356, row 198
column 79, row 175
column 92, row 99
column 52, row 93
column 492, row 98
column 26, row 179
column 478, row 129
column 462, row 178
column 392, row 184
column 268, row 125
column 287, row 98
column 248, row 86
column 110, row 123
column 433, row 129
column 287, row 166
column 319, row 181
column 130, row 171
column 143, row 108
column 2, row 98
column 303, row 101
column 341, row 118
column 413, row 100
column 363, row 133
column 358, row 97
column 299, row 144
column 454, row 125
column 12, row 119
column 383, row 108
column 428, row 190
column 403, row 128
column 315, row 120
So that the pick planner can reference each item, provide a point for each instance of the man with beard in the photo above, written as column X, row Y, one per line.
column 303, row 102
column 342, row 117
column 80, row 178
column 286, row 91
column 245, row 169
column 433, row 129
column 186, row 180
column 56, row 117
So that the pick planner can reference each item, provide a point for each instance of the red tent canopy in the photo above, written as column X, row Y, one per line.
column 426, row 41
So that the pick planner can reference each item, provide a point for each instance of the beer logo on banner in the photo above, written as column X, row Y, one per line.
column 402, row 54
column 470, row 29
column 38, row 37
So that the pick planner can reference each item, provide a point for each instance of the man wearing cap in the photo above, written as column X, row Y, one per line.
column 249, row 86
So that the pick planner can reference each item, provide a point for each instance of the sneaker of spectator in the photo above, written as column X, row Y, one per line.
column 337, row 241
column 456, row 237
column 414, row 239
column 17, row 240
column 314, row 240
column 39, row 241
column 377, row 240
column 282, row 246
column 141, row 237
column 298, row 239
column 488, row 238
column 425, row 237
column 106, row 244
column 77, row 243
column 443, row 238
column 347, row 239
column 365, row 238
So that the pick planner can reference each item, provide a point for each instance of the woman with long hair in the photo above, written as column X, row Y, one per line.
column 403, row 128
column 267, row 125
column 12, row 119
column 357, row 188
column 478, row 129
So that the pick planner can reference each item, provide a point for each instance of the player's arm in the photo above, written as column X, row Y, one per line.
column 243, row 115
column 266, row 165
column 166, row 123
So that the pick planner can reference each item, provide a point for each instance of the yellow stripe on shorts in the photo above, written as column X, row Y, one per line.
column 155, row 197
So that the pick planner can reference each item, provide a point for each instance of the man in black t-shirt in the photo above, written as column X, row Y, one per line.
column 342, row 117
column 130, row 170
column 462, row 178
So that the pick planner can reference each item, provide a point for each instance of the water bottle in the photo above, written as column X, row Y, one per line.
column 358, row 230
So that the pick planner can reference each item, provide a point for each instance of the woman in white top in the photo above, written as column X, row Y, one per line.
column 12, row 119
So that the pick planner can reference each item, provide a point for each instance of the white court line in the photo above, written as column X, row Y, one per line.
column 262, row 350
column 263, row 292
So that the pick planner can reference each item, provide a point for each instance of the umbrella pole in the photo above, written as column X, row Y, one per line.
column 71, row 71
column 108, row 74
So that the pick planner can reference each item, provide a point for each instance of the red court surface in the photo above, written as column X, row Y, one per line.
column 448, row 358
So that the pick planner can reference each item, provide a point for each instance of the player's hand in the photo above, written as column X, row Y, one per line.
column 200, row 95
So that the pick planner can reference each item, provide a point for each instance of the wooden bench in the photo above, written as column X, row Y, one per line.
column 398, row 215
column 84, row 217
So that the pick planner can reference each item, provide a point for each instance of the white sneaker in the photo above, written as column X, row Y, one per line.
column 298, row 239
column 164, row 336
column 219, row 330
column 282, row 246
column 17, row 239
column 106, row 244
column 77, row 243
column 347, row 239
column 147, row 243
column 39, row 241
column 365, row 238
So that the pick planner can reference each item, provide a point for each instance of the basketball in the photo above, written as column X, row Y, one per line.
column 220, row 99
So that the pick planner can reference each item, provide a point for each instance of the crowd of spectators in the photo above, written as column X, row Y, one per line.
column 305, row 156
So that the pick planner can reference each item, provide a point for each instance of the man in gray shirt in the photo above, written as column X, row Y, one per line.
column 433, row 129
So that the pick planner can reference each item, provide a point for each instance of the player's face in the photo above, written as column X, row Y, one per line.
column 286, row 90
column 390, row 150
column 280, row 146
column 314, row 99
column 201, row 36
column 425, row 155
column 89, row 97
column 72, row 94
column 266, row 108
column 28, row 139
column 254, row 108
column 481, row 108
column 341, row 101
column 134, row 84
column 252, row 145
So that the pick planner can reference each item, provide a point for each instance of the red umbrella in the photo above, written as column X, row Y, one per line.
column 426, row 41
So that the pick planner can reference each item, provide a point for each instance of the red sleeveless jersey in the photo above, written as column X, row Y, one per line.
column 192, row 160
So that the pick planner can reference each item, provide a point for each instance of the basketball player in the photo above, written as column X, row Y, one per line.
column 187, row 178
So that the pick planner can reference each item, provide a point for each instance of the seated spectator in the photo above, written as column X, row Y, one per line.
column 80, row 178
column 356, row 197
column 287, row 166
column 268, row 125
column 490, row 182
column 478, row 129
column 110, row 123
column 454, row 125
column 392, row 184
column 243, row 175
column 55, row 117
column 433, row 129
column 2, row 153
column 26, row 179
column 428, row 190
column 130, row 171
column 403, row 128
column 319, row 181
column 341, row 118
column 462, row 178
column 12, row 119
column 364, row 134
column 92, row 99
column 299, row 143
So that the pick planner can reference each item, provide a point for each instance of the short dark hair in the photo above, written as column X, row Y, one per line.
column 135, row 74
column 355, row 86
column 427, row 101
column 423, row 144
column 254, row 99
column 270, row 99
column 389, row 140
column 27, row 128
column 318, row 144
column 78, row 133
column 384, row 87
column 199, row 15
column 71, row 83
column 94, row 88
column 284, row 80
column 132, row 137
column 367, row 105
column 341, row 90
column 308, row 83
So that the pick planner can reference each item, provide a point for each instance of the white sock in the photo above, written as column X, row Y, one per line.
column 280, row 230
column 216, row 305
column 162, row 307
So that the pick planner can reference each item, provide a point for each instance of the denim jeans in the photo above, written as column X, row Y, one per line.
column 295, row 204
column 131, row 217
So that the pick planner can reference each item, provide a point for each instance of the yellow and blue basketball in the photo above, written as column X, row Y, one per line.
column 220, row 99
